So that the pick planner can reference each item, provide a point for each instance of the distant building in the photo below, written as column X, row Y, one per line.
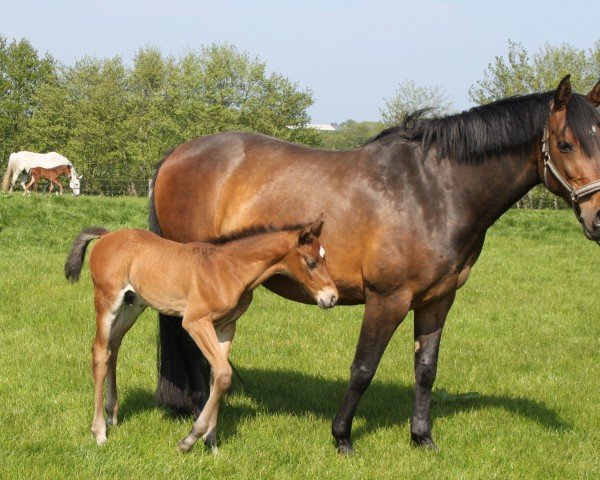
column 325, row 127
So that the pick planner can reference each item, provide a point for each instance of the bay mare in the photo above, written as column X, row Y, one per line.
column 405, row 218
column 209, row 285
column 22, row 162
column 50, row 174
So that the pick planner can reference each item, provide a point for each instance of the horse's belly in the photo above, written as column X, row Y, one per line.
column 287, row 288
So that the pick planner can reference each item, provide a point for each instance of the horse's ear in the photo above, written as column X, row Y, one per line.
column 594, row 95
column 316, row 226
column 563, row 93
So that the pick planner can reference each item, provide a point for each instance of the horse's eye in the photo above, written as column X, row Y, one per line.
column 565, row 147
column 311, row 264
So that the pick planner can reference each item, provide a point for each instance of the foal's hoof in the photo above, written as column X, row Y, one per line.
column 344, row 447
column 424, row 441
column 185, row 445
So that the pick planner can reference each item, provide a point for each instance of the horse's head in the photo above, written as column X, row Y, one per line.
column 306, row 264
column 75, row 183
column 570, row 165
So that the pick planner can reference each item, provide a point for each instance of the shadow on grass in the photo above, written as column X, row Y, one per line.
column 383, row 405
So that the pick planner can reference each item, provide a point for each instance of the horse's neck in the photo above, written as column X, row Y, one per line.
column 257, row 257
column 483, row 192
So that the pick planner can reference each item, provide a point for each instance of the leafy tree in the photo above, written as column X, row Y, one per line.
column 22, row 71
column 350, row 134
column 410, row 97
column 519, row 73
column 222, row 88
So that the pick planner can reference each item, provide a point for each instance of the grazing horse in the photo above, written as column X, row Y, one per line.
column 51, row 174
column 208, row 284
column 406, row 218
column 23, row 162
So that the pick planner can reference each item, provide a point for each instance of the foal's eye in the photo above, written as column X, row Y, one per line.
column 311, row 264
column 565, row 147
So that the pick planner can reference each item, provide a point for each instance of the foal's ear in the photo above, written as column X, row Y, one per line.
column 316, row 226
column 563, row 93
column 304, row 235
column 594, row 95
column 312, row 229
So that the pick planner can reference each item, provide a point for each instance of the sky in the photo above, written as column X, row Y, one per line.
column 352, row 54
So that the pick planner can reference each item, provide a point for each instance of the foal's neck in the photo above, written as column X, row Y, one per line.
column 258, row 257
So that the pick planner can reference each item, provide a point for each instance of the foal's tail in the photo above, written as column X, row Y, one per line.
column 8, row 174
column 74, row 262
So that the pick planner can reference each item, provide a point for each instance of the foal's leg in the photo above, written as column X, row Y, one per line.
column 429, row 322
column 225, row 335
column 128, row 313
column 100, row 357
column 28, row 186
column 60, row 187
column 382, row 316
column 201, row 329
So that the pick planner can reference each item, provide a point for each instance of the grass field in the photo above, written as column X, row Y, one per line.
column 516, row 395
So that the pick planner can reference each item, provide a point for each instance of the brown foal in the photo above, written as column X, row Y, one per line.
column 51, row 174
column 208, row 284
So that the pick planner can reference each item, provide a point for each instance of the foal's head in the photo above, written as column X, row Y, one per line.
column 573, row 145
column 307, row 265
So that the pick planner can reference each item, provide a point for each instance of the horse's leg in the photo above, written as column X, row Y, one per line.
column 382, row 316
column 100, row 359
column 429, row 322
column 130, row 310
column 203, row 332
column 23, row 180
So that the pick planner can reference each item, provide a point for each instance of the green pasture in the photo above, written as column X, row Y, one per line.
column 517, row 394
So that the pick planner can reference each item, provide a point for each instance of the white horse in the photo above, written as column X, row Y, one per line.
column 22, row 162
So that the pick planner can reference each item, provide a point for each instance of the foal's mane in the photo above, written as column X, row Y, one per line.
column 253, row 231
column 505, row 125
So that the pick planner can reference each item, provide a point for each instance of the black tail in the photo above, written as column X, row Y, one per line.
column 183, row 372
column 74, row 262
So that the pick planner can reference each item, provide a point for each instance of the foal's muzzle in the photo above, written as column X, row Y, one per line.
column 327, row 297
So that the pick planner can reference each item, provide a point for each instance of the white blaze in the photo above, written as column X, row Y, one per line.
column 322, row 251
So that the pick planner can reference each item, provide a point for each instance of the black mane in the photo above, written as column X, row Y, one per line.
column 505, row 125
column 252, row 231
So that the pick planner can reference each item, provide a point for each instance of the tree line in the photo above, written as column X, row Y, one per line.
column 115, row 121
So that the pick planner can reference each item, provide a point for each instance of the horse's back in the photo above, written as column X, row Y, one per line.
column 28, row 159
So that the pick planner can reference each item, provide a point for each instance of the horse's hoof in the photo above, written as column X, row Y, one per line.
column 424, row 441
column 101, row 440
column 344, row 448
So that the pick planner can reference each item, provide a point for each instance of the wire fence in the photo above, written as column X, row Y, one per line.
column 123, row 182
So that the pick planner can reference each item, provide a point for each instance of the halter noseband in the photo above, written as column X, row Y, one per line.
column 576, row 194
